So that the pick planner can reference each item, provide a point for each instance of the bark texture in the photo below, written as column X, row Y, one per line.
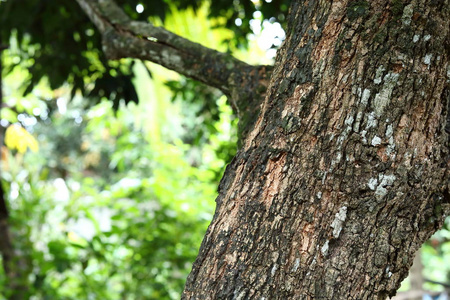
column 244, row 84
column 346, row 172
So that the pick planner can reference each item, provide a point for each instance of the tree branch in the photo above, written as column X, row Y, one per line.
column 123, row 37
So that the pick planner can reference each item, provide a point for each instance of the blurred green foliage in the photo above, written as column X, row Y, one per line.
column 101, row 212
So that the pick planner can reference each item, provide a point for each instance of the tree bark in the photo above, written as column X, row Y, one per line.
column 346, row 170
column 345, row 174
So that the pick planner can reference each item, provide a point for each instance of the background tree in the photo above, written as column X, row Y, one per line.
column 356, row 88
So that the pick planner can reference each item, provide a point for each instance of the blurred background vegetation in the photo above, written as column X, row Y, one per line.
column 110, row 168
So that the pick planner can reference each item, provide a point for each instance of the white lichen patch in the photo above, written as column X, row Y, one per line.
column 342, row 137
column 324, row 248
column 345, row 78
column 427, row 59
column 407, row 14
column 379, row 75
column 371, row 120
column 385, row 181
column 390, row 149
column 349, row 120
column 319, row 195
column 381, row 191
column 357, row 122
column 383, row 98
column 388, row 272
column 372, row 184
column 363, row 135
column 335, row 161
column 365, row 96
column 427, row 37
column 379, row 185
column 344, row 134
column 376, row 141
column 324, row 177
column 240, row 296
column 338, row 221
column 416, row 38
column 274, row 269
column 389, row 131
column 296, row 264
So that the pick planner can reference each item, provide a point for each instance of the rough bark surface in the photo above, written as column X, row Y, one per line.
column 345, row 174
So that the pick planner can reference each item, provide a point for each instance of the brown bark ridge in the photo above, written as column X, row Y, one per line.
column 346, row 172
column 244, row 84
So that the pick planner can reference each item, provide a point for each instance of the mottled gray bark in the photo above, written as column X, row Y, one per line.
column 346, row 172
column 244, row 84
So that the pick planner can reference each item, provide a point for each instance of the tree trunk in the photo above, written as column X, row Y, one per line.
column 345, row 173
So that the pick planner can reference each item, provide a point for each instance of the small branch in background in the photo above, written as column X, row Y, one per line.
column 244, row 84
column 123, row 37
column 445, row 285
